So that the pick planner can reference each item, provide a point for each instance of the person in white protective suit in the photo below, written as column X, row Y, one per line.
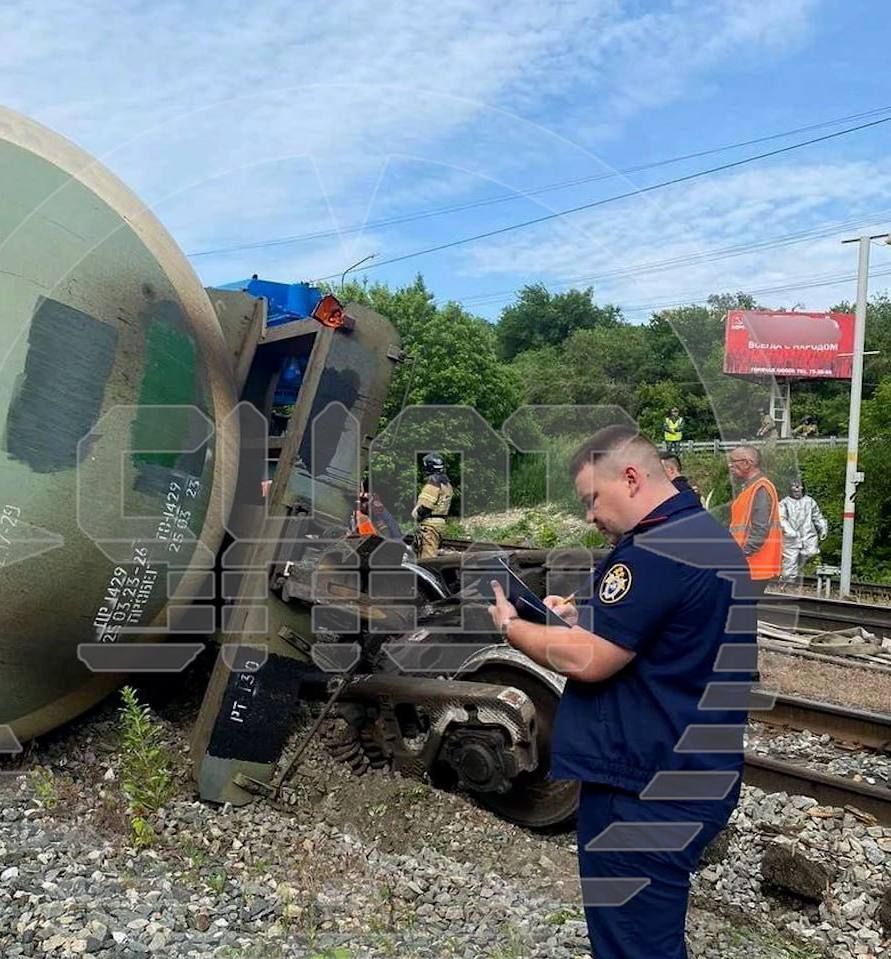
column 804, row 528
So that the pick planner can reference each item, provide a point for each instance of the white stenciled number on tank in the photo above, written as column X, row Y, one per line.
column 175, row 518
column 9, row 519
column 126, row 595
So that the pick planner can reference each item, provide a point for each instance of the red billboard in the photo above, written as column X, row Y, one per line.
column 775, row 343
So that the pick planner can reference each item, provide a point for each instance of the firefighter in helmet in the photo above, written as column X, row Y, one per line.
column 432, row 507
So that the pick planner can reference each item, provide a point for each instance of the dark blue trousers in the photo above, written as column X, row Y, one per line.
column 636, row 901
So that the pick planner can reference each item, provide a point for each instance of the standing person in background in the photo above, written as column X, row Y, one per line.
column 671, row 463
column 767, row 429
column 432, row 507
column 806, row 428
column 673, row 430
column 804, row 528
column 755, row 517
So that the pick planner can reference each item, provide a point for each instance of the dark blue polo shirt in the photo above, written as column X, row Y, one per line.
column 661, row 594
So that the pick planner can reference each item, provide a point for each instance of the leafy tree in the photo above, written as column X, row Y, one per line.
column 564, row 349
column 542, row 376
column 540, row 318
column 454, row 362
column 451, row 354
column 872, row 537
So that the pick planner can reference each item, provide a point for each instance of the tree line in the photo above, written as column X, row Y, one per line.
column 558, row 348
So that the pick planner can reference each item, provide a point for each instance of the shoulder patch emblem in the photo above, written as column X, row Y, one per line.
column 615, row 583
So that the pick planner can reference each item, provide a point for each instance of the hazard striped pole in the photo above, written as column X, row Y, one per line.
column 852, row 475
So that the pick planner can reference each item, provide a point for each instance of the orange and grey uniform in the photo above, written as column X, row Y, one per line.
column 431, row 511
column 755, row 525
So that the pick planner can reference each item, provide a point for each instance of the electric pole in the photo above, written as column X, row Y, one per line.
column 852, row 475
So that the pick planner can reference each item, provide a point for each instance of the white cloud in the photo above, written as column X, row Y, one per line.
column 746, row 207
column 219, row 114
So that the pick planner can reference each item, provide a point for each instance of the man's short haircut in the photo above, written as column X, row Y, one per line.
column 753, row 453
column 605, row 441
column 671, row 458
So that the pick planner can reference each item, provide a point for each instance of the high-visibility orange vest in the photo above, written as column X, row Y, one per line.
column 766, row 562
column 364, row 526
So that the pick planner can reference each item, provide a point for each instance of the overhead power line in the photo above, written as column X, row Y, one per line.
column 524, row 194
column 800, row 283
column 696, row 257
column 699, row 174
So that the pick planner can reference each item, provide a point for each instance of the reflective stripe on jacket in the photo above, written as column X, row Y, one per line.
column 673, row 429
column 436, row 496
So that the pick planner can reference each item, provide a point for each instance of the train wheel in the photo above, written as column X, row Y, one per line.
column 534, row 800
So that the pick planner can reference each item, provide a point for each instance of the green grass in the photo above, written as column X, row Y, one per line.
column 146, row 767
column 562, row 916
column 780, row 947
column 513, row 946
column 543, row 527
column 216, row 881
column 43, row 782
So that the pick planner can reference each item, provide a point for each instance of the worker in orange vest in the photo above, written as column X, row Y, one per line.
column 360, row 521
column 755, row 517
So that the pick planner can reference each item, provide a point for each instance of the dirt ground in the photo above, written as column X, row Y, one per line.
column 845, row 685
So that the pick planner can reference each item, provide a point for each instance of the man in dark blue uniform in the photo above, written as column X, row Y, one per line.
column 658, row 663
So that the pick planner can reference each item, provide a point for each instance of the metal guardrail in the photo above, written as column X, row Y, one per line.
column 723, row 446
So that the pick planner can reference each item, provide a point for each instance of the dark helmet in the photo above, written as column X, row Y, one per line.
column 433, row 463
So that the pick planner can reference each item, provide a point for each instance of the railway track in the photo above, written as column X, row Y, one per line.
column 775, row 775
column 840, row 722
column 878, row 593
column 844, row 723
column 825, row 613
column 790, row 613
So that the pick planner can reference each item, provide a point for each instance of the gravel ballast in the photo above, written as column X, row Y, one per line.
column 351, row 867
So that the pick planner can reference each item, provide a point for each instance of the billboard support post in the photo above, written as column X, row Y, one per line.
column 781, row 405
column 852, row 475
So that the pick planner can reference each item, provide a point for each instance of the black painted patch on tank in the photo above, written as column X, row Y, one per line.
column 257, row 711
column 340, row 386
column 58, row 397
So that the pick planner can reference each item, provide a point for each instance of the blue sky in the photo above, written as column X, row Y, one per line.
column 243, row 123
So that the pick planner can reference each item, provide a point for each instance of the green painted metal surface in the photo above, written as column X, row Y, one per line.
column 114, row 382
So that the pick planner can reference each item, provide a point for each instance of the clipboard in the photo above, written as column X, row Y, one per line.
column 527, row 604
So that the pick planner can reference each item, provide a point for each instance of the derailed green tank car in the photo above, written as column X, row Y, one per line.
column 131, row 479
column 121, row 453
column 111, row 362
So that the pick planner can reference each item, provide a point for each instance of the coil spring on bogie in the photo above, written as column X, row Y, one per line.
column 354, row 745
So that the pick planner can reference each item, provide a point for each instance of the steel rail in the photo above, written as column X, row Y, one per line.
column 774, row 775
column 847, row 723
